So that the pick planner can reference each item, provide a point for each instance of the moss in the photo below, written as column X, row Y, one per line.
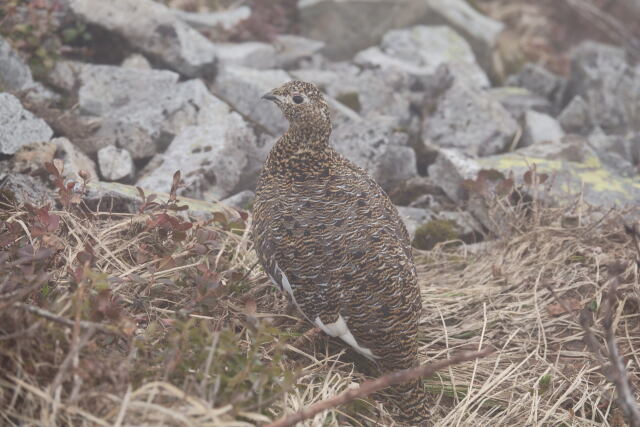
column 351, row 100
column 433, row 232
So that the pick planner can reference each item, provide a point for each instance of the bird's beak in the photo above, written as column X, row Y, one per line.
column 269, row 96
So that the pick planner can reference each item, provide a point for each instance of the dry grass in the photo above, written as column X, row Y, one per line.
column 137, row 323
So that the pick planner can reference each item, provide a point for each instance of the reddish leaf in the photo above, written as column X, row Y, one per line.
column 557, row 309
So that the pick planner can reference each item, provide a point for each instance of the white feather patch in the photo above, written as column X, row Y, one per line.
column 340, row 329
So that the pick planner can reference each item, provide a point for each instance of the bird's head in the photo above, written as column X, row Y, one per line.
column 302, row 104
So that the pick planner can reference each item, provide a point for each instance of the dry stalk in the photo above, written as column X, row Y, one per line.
column 376, row 385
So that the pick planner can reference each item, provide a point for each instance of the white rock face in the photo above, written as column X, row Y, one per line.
column 420, row 50
column 540, row 127
column 115, row 163
column 74, row 160
column 151, row 27
column 243, row 88
column 211, row 155
column 450, row 169
column 467, row 119
column 141, row 110
column 249, row 54
column 18, row 127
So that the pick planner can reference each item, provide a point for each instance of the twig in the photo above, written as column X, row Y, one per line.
column 615, row 372
column 378, row 384
column 84, row 324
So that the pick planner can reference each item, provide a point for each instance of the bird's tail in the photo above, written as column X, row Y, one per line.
column 410, row 400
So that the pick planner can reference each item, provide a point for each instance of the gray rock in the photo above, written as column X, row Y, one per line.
column 575, row 116
column 420, row 50
column 18, row 127
column 243, row 88
column 468, row 229
column 539, row 81
column 151, row 27
column 136, row 61
column 518, row 100
column 347, row 26
column 141, row 110
column 539, row 127
column 610, row 86
column 479, row 30
column 618, row 153
column 74, row 160
column 376, row 146
column 414, row 218
column 115, row 163
column 249, row 54
column 574, row 168
column 105, row 88
column 27, row 189
column 291, row 49
column 449, row 171
column 241, row 200
column 210, row 155
column 15, row 75
column 466, row 119
column 215, row 24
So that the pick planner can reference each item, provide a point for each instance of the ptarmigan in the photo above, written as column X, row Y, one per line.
column 329, row 236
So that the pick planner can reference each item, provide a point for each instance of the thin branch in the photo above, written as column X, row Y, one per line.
column 376, row 385
column 84, row 324
column 615, row 370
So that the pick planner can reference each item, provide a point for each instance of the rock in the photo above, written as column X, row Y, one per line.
column 210, row 155
column 466, row 119
column 539, row 127
column 450, row 169
column 15, row 75
column 347, row 26
column 65, row 74
column 32, row 157
column 618, row 153
column 18, row 127
column 574, row 167
column 448, row 226
column 413, row 189
column 291, row 49
column 575, row 116
column 22, row 189
column 518, row 100
column 377, row 147
column 609, row 85
column 243, row 88
column 414, row 218
column 136, row 61
column 151, row 27
column 215, row 24
column 141, row 110
column 539, row 81
column 73, row 160
column 115, row 163
column 420, row 50
column 242, row 200
column 479, row 30
column 249, row 54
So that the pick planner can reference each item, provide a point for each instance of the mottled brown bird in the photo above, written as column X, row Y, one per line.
column 329, row 236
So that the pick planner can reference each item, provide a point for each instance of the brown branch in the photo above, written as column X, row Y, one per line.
column 615, row 370
column 378, row 384
column 84, row 324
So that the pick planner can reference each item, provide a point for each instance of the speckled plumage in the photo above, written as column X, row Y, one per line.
column 327, row 234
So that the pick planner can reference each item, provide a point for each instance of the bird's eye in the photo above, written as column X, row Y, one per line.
column 298, row 99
